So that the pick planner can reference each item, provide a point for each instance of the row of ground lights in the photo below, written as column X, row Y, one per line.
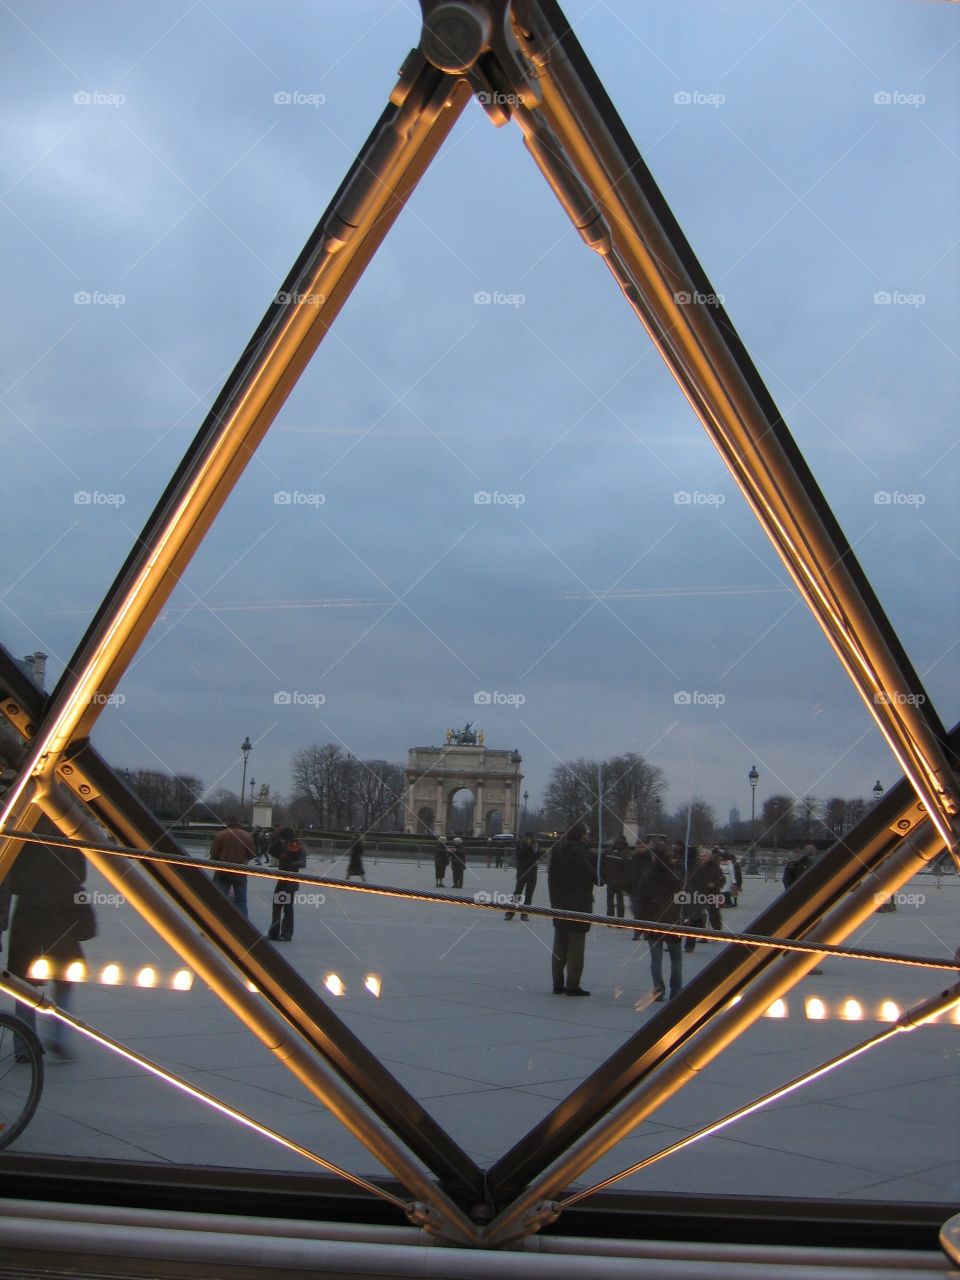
column 112, row 975
column 849, row 1010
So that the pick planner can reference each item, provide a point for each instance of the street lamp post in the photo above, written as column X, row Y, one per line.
column 526, row 796
column 754, row 778
column 253, row 783
column 246, row 747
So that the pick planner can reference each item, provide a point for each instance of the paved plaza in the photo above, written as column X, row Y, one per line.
column 467, row 1021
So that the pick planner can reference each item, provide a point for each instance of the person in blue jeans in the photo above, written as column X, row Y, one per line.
column 232, row 844
column 660, row 898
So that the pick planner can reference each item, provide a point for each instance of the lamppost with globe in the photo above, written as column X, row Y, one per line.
column 246, row 747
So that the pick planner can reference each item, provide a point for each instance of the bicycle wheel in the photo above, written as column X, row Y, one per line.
column 21, row 1076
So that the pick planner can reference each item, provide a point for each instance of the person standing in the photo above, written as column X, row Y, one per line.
column 527, row 859
column 704, row 893
column 636, row 864
column 659, row 898
column 355, row 865
column 571, row 878
column 441, row 856
column 232, row 844
column 290, row 856
column 733, row 881
column 613, row 873
column 52, row 916
column 458, row 862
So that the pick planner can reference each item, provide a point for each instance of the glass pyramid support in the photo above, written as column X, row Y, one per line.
column 526, row 68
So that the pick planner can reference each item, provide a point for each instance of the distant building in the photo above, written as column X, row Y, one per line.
column 35, row 666
column 734, row 817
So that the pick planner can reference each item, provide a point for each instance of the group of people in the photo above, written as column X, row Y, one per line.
column 666, row 884
column 234, row 844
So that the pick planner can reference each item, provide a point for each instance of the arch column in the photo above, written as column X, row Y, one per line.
column 478, row 813
column 440, row 810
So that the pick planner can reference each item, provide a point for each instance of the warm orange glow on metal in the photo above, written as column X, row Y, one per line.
column 637, row 250
column 200, row 1095
column 910, row 1022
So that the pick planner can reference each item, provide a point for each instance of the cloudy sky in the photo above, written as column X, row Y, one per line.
column 153, row 195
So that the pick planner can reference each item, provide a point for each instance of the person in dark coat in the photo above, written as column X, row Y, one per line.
column 290, row 856
column 704, row 891
column 571, row 878
column 636, row 864
column 800, row 862
column 527, row 858
column 659, row 898
column 458, row 862
column 613, row 873
column 48, row 886
column 355, row 865
column 441, row 857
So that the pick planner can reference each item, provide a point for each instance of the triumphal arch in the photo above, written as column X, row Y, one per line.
column 435, row 774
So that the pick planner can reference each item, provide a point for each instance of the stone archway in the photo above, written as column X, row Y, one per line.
column 435, row 774
column 425, row 822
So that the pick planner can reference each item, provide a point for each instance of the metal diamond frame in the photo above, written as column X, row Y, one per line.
column 523, row 61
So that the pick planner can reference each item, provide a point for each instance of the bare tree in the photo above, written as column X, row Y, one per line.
column 703, row 823
column 378, row 794
column 835, row 816
column 775, row 820
column 572, row 794
column 631, row 786
column 318, row 777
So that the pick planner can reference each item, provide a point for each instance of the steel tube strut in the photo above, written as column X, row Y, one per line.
column 794, row 914
column 117, row 809
column 424, row 107
column 534, row 1208
column 249, row 1007
column 585, row 153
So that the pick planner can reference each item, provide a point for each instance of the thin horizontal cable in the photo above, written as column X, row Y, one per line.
column 548, row 913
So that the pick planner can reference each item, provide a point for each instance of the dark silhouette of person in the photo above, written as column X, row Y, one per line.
column 527, row 859
column 571, row 878
column 290, row 856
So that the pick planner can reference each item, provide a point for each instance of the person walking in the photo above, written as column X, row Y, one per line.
column 458, row 862
column 659, row 898
column 733, row 880
column 232, row 844
column 613, row 873
column 527, row 859
column 290, row 856
column 355, row 865
column 52, row 916
column 571, row 878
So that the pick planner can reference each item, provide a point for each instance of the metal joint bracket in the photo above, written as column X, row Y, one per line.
column 475, row 39
column 78, row 781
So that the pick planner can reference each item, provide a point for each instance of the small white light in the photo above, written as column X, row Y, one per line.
column 777, row 1010
column 815, row 1009
column 147, row 977
column 334, row 984
column 852, row 1010
column 251, row 987
column 111, row 975
column 40, row 969
column 372, row 983
column 182, row 980
column 76, row 972
column 889, row 1011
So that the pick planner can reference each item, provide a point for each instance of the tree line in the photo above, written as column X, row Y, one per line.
column 333, row 789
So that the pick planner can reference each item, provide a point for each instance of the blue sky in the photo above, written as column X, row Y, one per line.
column 811, row 152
